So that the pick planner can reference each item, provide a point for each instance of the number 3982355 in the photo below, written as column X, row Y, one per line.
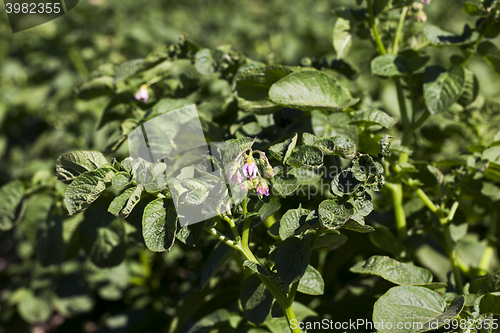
column 33, row 8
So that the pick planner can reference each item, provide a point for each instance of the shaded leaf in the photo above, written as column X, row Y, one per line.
column 11, row 195
column 310, row 90
column 311, row 282
column 292, row 259
column 71, row 165
column 393, row 270
column 159, row 225
column 442, row 88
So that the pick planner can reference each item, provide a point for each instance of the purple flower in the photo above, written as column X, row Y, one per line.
column 262, row 188
column 142, row 94
column 236, row 177
column 250, row 168
column 426, row 1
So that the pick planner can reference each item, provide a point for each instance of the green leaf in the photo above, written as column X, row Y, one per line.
column 217, row 258
column 268, row 209
column 256, row 299
column 384, row 239
column 334, row 214
column 336, row 145
column 128, row 69
column 253, row 85
column 332, row 125
column 418, row 308
column 102, row 237
column 292, row 259
column 486, row 284
column 204, row 61
column 159, row 225
column 280, row 325
column 291, row 221
column 73, row 296
column 50, row 248
column 121, row 179
column 285, row 186
column 33, row 309
column 362, row 205
column 196, row 192
column 356, row 226
column 389, row 65
column 122, row 205
column 256, row 268
column 310, row 90
column 100, row 86
column 472, row 9
column 491, row 53
column 190, row 234
column 436, row 36
column 442, row 88
column 405, row 274
column 373, row 117
column 71, row 165
column 307, row 156
column 342, row 38
column 86, row 188
column 282, row 151
column 311, row 282
column 330, row 240
column 208, row 322
column 489, row 303
column 11, row 195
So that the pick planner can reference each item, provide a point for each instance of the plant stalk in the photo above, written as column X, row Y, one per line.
column 397, row 199
column 399, row 30
column 373, row 26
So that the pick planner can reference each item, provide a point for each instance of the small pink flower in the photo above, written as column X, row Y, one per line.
column 246, row 186
column 421, row 17
column 236, row 177
column 262, row 188
column 250, row 168
column 426, row 1
column 269, row 172
column 142, row 94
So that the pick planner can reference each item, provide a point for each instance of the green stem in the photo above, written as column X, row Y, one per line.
column 484, row 264
column 399, row 213
column 63, row 4
column 421, row 120
column 376, row 36
column 279, row 295
column 246, row 227
column 470, row 53
column 445, row 224
column 234, row 230
column 407, row 132
column 399, row 30
column 223, row 238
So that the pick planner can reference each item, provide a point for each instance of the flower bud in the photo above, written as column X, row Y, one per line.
column 246, row 186
column 262, row 188
column 236, row 177
column 421, row 17
column 269, row 172
column 142, row 94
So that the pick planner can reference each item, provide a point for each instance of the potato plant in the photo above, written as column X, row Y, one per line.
column 396, row 212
